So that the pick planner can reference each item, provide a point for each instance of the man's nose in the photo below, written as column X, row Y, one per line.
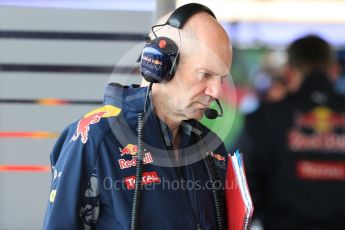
column 213, row 88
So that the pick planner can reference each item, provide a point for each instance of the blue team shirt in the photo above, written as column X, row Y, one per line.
column 93, row 166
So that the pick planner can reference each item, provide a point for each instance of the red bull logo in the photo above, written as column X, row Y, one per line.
column 129, row 149
column 217, row 156
column 150, row 60
column 157, row 62
column 84, row 126
column 92, row 118
column 124, row 164
column 321, row 119
column 323, row 123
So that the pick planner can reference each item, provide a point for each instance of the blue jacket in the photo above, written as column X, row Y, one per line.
column 93, row 166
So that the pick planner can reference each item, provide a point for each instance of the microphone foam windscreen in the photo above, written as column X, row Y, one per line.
column 211, row 113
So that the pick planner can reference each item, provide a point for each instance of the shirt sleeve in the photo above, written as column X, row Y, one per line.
column 73, row 200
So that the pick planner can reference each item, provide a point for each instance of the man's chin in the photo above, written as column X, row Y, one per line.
column 198, row 115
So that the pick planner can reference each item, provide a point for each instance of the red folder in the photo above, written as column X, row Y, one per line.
column 238, row 200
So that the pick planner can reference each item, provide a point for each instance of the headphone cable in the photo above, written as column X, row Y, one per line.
column 139, row 166
column 213, row 175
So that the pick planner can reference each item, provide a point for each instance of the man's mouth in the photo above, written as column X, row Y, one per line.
column 203, row 106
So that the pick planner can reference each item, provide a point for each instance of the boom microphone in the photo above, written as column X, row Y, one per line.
column 212, row 113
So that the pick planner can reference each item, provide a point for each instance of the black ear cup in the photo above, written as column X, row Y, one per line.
column 159, row 60
column 160, row 56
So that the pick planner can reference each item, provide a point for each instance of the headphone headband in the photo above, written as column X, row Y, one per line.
column 160, row 56
column 181, row 15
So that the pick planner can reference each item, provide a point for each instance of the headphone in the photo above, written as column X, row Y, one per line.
column 160, row 56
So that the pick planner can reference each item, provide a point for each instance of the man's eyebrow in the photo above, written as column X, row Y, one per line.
column 212, row 72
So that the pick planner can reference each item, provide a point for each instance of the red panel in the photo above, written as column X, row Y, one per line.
column 37, row 134
column 24, row 168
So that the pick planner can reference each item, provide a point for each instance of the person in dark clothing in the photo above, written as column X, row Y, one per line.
column 95, row 162
column 295, row 149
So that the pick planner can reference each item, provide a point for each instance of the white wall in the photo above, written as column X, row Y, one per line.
column 24, row 195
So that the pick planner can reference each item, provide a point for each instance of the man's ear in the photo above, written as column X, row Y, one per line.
column 292, row 77
column 287, row 72
column 334, row 71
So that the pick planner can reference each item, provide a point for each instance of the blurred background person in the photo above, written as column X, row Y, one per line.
column 269, row 82
column 294, row 151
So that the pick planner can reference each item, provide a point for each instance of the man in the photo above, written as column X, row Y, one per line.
column 295, row 149
column 94, row 161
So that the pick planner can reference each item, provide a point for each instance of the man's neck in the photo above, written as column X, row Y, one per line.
column 166, row 115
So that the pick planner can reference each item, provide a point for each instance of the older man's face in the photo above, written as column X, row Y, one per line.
column 198, row 80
